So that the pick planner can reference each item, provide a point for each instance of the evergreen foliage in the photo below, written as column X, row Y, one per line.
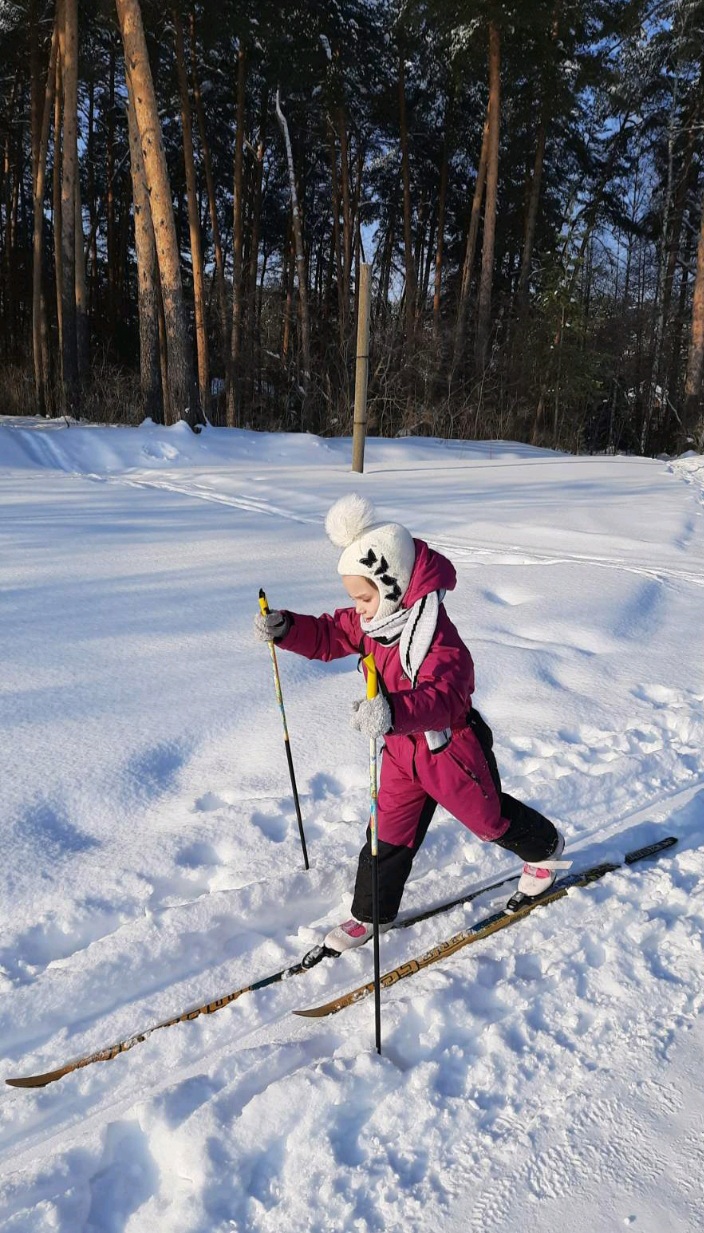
column 596, row 322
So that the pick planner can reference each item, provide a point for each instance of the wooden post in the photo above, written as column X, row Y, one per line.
column 362, row 370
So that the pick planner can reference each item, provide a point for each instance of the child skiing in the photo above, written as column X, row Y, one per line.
column 437, row 747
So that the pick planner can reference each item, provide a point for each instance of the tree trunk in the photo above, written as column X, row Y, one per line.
column 336, row 261
column 300, row 252
column 193, row 219
column 655, row 391
column 92, row 205
column 10, row 186
column 41, row 374
column 82, row 323
column 68, row 46
column 422, row 213
column 346, row 221
column 234, row 379
column 251, row 327
column 56, row 195
column 387, row 261
column 442, row 198
column 685, row 191
column 492, row 181
column 147, row 290
column 472, row 233
column 675, row 381
column 531, row 218
column 212, row 201
column 287, row 300
column 692, row 412
column 182, row 394
column 111, row 304
column 537, row 177
column 36, row 93
column 407, row 215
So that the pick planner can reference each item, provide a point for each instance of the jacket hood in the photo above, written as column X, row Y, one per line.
column 431, row 572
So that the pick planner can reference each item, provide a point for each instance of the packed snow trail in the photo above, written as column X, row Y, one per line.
column 150, row 855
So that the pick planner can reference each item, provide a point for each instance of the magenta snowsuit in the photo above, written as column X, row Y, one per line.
column 458, row 776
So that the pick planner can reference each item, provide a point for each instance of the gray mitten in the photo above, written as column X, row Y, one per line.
column 271, row 626
column 371, row 716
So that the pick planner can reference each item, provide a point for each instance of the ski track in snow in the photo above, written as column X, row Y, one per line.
column 509, row 554
column 253, row 1120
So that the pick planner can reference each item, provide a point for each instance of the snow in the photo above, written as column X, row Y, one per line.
column 150, row 860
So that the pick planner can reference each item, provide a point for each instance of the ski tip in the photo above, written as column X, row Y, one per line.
column 36, row 1080
column 652, row 849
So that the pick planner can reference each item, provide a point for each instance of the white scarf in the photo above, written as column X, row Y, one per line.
column 414, row 629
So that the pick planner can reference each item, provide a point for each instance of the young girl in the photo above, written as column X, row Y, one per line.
column 437, row 747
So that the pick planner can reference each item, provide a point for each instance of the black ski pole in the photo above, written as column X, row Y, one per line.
column 287, row 744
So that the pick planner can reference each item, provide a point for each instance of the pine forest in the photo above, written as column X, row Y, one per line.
column 190, row 191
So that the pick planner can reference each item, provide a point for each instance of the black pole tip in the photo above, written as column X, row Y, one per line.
column 262, row 593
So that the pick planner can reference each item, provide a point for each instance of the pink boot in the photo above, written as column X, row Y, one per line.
column 352, row 933
column 537, row 879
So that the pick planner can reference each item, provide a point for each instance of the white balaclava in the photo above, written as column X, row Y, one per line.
column 381, row 551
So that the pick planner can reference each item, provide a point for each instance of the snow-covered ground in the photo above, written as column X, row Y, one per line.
column 549, row 1077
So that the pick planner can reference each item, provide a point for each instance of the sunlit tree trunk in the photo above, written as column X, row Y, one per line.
column 692, row 416
column 183, row 397
column 147, row 290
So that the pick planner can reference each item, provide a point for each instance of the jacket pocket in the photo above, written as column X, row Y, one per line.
column 449, row 752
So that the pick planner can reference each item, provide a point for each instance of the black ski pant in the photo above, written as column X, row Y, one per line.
column 530, row 835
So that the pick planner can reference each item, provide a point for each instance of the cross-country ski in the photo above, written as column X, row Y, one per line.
column 484, row 929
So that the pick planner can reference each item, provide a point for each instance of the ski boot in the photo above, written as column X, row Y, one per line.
column 536, row 880
column 352, row 933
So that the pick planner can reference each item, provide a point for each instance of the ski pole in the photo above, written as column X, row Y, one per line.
column 287, row 744
column 372, row 690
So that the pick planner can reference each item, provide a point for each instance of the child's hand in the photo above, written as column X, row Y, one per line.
column 371, row 716
column 270, row 626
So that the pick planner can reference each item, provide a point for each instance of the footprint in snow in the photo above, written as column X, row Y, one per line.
column 273, row 827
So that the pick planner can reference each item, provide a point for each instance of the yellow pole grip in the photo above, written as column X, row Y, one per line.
column 263, row 603
column 372, row 680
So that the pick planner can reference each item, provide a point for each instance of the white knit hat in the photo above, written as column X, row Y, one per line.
column 381, row 551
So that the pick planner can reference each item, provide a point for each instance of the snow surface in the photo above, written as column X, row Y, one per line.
column 549, row 1077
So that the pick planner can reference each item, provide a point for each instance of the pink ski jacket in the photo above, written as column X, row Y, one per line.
column 442, row 694
column 456, row 776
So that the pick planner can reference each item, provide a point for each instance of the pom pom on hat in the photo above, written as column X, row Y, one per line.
column 349, row 518
column 384, row 552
